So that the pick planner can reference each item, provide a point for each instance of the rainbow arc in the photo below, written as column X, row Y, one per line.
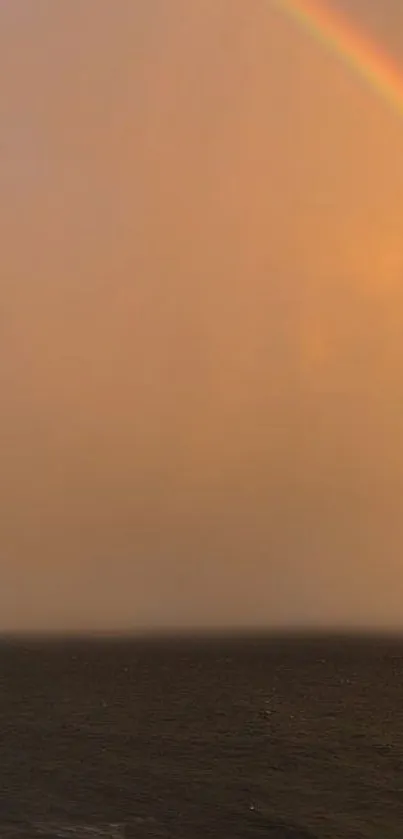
column 336, row 32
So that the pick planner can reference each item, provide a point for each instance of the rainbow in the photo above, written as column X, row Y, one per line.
column 336, row 32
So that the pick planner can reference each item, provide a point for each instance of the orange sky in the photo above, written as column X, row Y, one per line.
column 201, row 333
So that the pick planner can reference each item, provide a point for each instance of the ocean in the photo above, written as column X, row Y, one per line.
column 279, row 738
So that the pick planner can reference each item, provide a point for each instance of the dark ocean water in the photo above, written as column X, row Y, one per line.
column 276, row 738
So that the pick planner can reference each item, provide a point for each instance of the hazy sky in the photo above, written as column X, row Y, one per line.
column 201, row 343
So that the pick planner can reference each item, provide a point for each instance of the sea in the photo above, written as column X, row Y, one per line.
column 195, row 737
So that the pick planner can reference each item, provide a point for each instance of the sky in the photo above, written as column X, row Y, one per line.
column 201, row 342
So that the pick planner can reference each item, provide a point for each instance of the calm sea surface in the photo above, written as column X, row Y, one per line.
column 276, row 738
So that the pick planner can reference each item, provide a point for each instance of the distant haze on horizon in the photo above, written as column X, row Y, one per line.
column 201, row 345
